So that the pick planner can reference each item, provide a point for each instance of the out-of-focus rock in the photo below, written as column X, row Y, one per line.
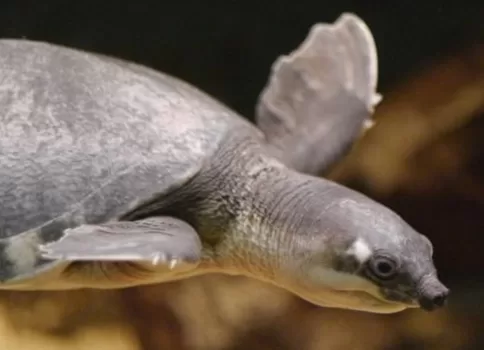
column 81, row 320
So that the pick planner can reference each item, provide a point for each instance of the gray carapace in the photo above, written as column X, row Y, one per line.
column 114, row 175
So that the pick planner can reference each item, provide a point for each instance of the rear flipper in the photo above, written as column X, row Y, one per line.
column 320, row 98
column 126, row 253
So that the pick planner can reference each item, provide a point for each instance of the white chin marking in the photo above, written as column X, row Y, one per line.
column 360, row 250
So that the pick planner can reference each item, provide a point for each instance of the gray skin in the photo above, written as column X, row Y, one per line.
column 114, row 175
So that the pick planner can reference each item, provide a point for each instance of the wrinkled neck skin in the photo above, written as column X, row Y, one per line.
column 246, row 206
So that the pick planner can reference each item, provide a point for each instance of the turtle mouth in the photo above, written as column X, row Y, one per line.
column 403, row 300
column 360, row 301
column 379, row 301
column 399, row 296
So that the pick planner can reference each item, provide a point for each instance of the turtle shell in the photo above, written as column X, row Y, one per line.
column 85, row 138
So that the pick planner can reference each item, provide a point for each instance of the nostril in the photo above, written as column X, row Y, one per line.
column 440, row 300
column 433, row 294
column 430, row 303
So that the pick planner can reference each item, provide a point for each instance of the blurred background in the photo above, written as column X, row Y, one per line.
column 424, row 159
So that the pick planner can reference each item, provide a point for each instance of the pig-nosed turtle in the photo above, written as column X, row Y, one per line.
column 114, row 175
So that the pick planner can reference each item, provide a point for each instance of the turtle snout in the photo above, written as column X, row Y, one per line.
column 433, row 294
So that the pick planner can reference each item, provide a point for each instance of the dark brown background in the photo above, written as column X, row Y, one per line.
column 424, row 159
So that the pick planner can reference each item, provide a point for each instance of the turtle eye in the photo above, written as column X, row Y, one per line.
column 383, row 267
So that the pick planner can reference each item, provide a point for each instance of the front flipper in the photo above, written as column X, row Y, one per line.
column 320, row 98
column 126, row 253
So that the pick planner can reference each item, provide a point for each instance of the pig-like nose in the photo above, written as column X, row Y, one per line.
column 433, row 294
column 430, row 303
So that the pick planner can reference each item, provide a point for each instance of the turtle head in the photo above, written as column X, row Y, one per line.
column 347, row 251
